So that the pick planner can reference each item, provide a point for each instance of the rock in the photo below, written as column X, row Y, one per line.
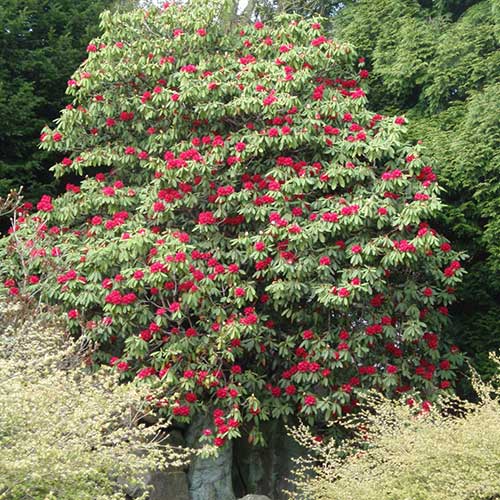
column 169, row 486
column 165, row 485
column 266, row 470
column 254, row 497
column 209, row 478
column 175, row 438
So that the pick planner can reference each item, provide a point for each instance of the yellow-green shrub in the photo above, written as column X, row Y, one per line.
column 451, row 452
column 65, row 433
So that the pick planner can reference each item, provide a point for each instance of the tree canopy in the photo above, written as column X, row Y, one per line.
column 255, row 240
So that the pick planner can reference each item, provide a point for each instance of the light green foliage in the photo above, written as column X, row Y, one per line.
column 451, row 452
column 66, row 434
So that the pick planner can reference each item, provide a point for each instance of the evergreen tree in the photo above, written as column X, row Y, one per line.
column 438, row 63
column 41, row 44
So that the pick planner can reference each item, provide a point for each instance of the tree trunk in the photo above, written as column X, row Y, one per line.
column 209, row 478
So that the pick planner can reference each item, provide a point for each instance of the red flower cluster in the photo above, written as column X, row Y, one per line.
column 240, row 251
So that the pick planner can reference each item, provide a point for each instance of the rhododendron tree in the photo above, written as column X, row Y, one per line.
column 247, row 236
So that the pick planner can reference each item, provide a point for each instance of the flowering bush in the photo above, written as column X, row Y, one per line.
column 249, row 237
column 449, row 451
column 64, row 433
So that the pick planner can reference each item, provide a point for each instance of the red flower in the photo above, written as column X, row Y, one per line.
column 128, row 298
column 270, row 99
column 126, row 116
column 45, row 204
column 445, row 365
column 236, row 369
column 219, row 442
column 260, row 246
column 146, row 372
column 329, row 130
column 189, row 68
column 206, row 218
column 343, row 335
column 221, row 393
column 181, row 411
column 72, row 314
column 138, row 274
column 122, row 366
column 310, row 400
column 431, row 339
column 318, row 41
column 191, row 397
column 146, row 335
column 174, row 307
column 324, row 261
column 373, row 329
column 308, row 335
column 225, row 191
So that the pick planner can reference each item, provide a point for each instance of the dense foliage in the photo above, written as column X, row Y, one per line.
column 439, row 64
column 64, row 433
column 256, row 245
column 395, row 452
column 445, row 80
column 41, row 44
